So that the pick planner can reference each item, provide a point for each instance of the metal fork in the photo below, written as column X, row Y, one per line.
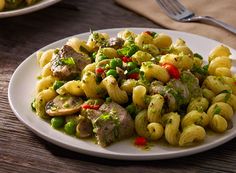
column 175, row 10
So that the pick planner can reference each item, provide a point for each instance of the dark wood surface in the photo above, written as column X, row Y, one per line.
column 23, row 151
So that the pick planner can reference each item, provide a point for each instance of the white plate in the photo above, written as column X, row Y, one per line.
column 40, row 5
column 21, row 90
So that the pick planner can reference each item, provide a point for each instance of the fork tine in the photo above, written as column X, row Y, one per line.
column 163, row 5
column 174, row 6
column 174, row 9
column 179, row 5
column 167, row 6
column 171, row 4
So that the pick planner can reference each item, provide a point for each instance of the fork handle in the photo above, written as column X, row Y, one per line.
column 213, row 20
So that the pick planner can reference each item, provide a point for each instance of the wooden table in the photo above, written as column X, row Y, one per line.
column 23, row 151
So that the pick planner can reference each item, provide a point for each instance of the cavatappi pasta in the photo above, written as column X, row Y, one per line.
column 135, row 84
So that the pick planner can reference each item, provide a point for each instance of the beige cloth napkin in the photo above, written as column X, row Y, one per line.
column 224, row 10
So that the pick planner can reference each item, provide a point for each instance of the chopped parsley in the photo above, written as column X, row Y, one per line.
column 217, row 110
column 227, row 95
column 197, row 55
column 98, row 39
column 68, row 61
column 33, row 105
column 57, row 84
column 133, row 110
column 105, row 117
column 56, row 51
column 200, row 70
column 128, row 50
column 154, row 34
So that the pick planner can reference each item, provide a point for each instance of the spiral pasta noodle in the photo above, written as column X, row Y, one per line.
column 114, row 91
column 155, row 108
column 72, row 87
column 220, row 113
column 191, row 134
column 155, row 71
column 139, row 94
column 41, row 99
column 141, row 123
column 172, row 122
column 45, row 57
column 90, row 87
column 45, row 83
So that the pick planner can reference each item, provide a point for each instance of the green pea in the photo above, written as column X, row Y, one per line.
column 113, row 64
column 131, row 109
column 57, row 122
column 70, row 127
column 102, row 57
column 57, row 84
column 132, row 65
column 119, row 62
column 111, row 72
column 136, row 70
column 93, row 57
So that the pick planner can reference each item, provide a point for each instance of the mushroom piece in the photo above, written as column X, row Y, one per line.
column 63, row 105
column 67, row 63
column 116, row 42
column 84, row 128
column 156, row 87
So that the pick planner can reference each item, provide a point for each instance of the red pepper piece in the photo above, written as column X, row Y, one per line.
column 172, row 70
column 148, row 32
column 96, row 107
column 140, row 141
column 99, row 70
column 153, row 34
column 126, row 59
column 87, row 106
column 134, row 76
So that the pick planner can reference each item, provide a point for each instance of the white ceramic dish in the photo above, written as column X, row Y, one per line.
column 40, row 5
column 21, row 92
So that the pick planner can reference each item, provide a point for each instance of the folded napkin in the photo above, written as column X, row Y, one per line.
column 222, row 10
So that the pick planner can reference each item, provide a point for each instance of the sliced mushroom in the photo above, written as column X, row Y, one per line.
column 171, row 102
column 116, row 42
column 63, row 105
column 156, row 87
column 121, row 73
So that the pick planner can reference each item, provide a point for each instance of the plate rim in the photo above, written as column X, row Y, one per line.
column 29, row 9
column 150, row 156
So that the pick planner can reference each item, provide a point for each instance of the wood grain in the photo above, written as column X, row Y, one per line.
column 21, row 150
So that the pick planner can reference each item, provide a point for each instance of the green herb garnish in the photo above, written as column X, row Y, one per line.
column 67, row 61
column 57, row 84
column 128, row 50
column 217, row 110
column 197, row 55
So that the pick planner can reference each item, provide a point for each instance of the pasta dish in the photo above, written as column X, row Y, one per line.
column 144, row 85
